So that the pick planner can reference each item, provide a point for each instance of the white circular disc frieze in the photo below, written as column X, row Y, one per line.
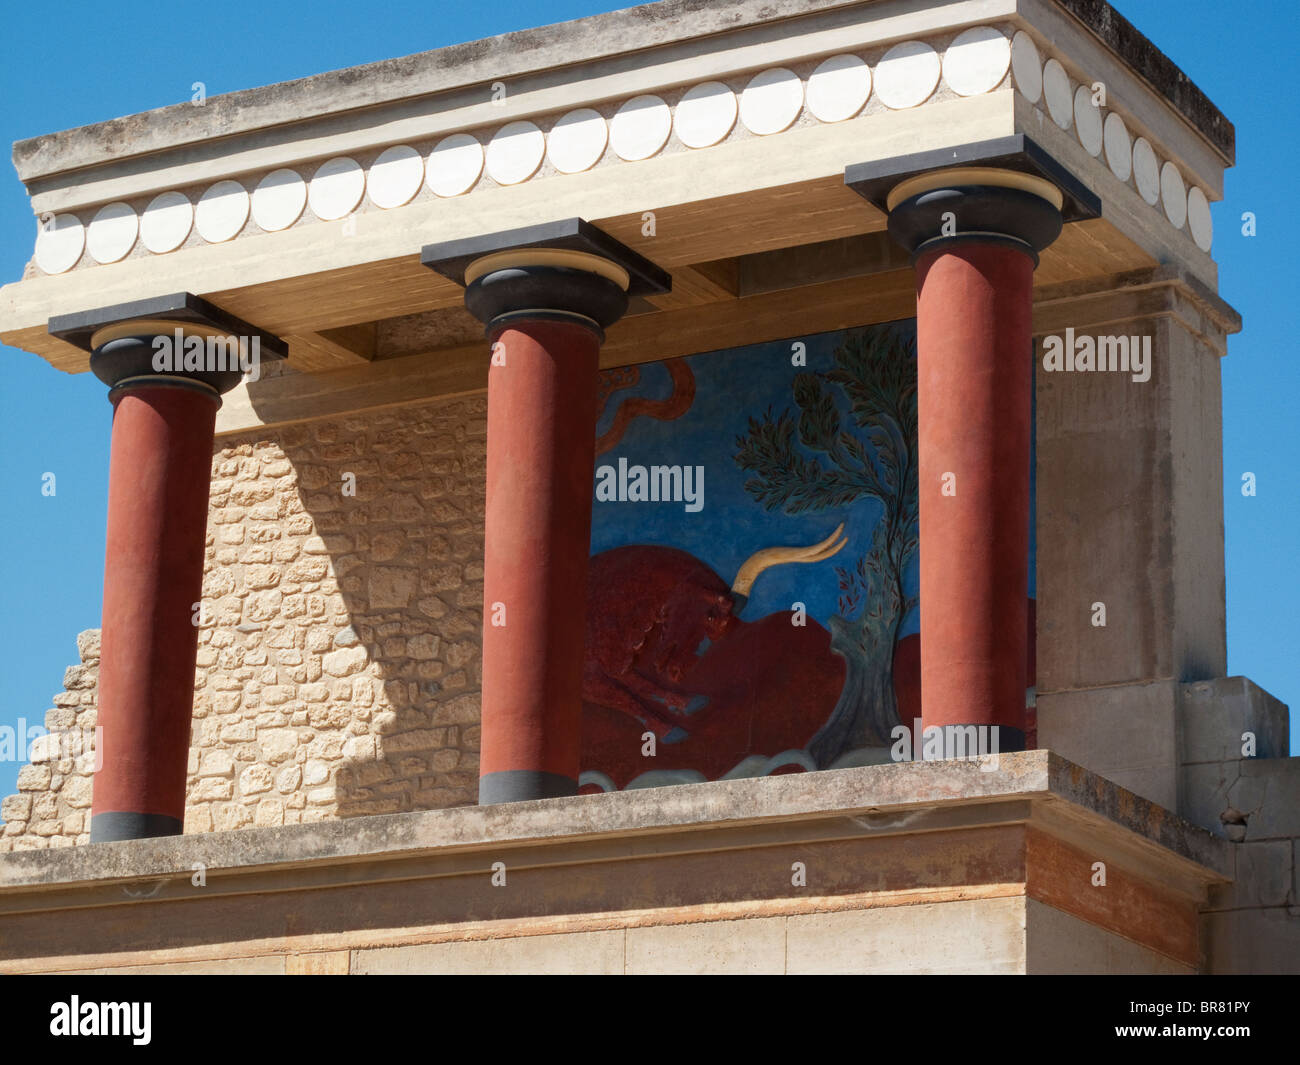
column 705, row 114
column 454, row 165
column 515, row 152
column 1198, row 218
column 839, row 88
column 112, row 233
column 166, row 222
column 640, row 127
column 1119, row 147
column 771, row 101
column 1146, row 171
column 977, row 61
column 577, row 141
column 336, row 188
column 907, row 75
column 1174, row 195
column 1026, row 67
column 279, row 199
column 1056, row 88
column 221, row 212
column 1087, row 120
column 60, row 241
column 395, row 176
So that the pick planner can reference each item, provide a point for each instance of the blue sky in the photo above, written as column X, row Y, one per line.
column 68, row 65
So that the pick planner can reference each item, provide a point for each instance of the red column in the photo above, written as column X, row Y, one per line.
column 546, row 294
column 153, row 574
column 540, row 460
column 974, row 376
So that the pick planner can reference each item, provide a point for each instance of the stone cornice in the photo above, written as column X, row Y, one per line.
column 1158, row 70
column 364, row 87
column 289, row 191
column 514, row 54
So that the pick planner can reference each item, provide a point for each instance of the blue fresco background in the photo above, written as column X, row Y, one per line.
column 731, row 386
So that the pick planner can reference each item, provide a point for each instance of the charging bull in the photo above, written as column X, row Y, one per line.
column 667, row 652
column 652, row 611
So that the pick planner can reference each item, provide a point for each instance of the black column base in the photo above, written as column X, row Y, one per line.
column 113, row 825
column 521, row 785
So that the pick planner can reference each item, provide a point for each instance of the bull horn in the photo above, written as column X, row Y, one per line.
column 775, row 556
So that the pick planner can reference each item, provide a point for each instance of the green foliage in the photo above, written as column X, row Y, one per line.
column 786, row 478
column 819, row 459
column 852, row 438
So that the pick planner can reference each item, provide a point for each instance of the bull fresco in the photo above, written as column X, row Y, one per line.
column 752, row 591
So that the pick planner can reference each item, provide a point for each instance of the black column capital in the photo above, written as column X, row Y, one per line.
column 955, row 212
column 178, row 340
column 1007, row 190
column 567, row 270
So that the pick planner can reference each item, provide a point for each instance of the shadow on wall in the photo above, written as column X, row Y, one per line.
column 339, row 661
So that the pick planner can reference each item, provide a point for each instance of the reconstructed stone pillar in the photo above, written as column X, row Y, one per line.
column 974, row 234
column 545, row 304
column 165, row 378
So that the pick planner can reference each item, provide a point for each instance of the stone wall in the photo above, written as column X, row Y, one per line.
column 52, row 805
column 338, row 665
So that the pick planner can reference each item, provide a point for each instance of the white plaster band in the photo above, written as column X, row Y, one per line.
column 574, row 260
column 975, row 175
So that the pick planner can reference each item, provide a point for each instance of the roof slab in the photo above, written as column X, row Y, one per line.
column 712, row 138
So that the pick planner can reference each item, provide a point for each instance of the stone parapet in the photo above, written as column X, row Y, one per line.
column 979, row 866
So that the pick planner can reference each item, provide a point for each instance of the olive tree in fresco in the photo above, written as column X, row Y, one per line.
column 821, row 459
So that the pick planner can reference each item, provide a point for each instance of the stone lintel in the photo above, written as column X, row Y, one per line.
column 807, row 290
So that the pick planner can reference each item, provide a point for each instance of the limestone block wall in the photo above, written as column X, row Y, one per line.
column 52, row 805
column 339, row 632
